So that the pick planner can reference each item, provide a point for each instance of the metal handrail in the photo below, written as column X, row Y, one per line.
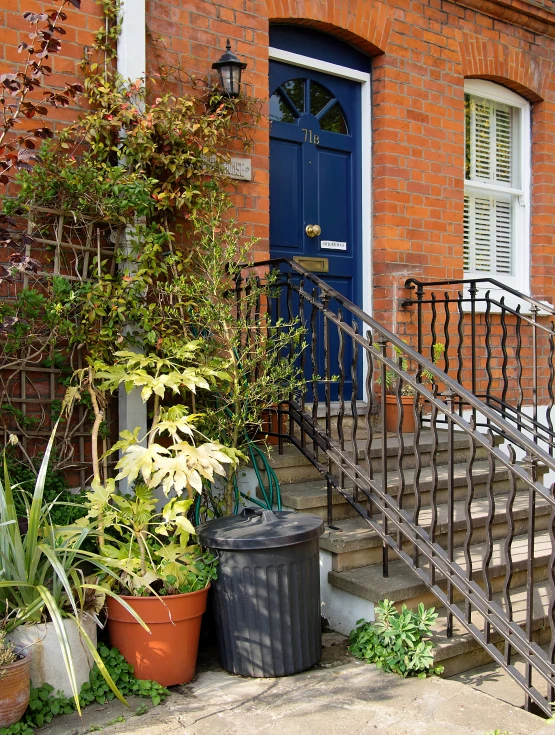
column 334, row 449
column 469, row 399
column 410, row 283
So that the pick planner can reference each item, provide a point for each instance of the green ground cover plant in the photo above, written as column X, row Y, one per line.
column 397, row 642
column 45, row 703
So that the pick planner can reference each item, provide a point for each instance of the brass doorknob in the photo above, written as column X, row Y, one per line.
column 313, row 230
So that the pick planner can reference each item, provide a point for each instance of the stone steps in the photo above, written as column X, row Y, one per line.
column 310, row 496
column 356, row 549
column 357, row 545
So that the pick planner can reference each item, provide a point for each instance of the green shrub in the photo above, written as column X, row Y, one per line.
column 397, row 641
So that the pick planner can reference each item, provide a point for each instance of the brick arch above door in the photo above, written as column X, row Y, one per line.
column 365, row 24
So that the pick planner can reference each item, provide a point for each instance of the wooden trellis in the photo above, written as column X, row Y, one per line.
column 32, row 380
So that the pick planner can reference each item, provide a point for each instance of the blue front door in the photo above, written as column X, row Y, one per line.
column 315, row 183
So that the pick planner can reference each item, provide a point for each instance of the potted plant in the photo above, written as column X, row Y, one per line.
column 160, row 574
column 407, row 393
column 44, row 595
column 14, row 682
column 148, row 556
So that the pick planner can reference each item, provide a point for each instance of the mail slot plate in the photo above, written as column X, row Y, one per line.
column 316, row 265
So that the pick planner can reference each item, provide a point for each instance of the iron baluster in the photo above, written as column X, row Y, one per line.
column 400, row 448
column 487, row 319
column 434, row 478
column 505, row 385
column 290, row 320
column 382, row 344
column 460, row 332
column 418, row 465
column 341, row 414
column 303, row 357
column 533, row 465
column 369, row 406
column 327, row 375
column 489, row 533
column 354, row 392
column 472, row 293
column 419, row 335
column 550, row 389
column 518, row 335
column 508, row 549
column 468, row 511
column 450, row 504
column 535, row 370
column 551, row 606
column 433, row 325
column 314, row 361
column 447, row 336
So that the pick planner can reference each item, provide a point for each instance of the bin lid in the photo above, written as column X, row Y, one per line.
column 260, row 529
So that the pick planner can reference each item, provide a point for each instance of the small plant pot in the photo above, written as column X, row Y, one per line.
column 15, row 685
column 392, row 414
column 47, row 662
column 271, row 422
column 168, row 654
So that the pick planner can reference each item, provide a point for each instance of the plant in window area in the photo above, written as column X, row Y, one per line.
column 398, row 642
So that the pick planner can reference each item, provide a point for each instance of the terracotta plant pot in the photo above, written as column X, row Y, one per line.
column 168, row 654
column 270, row 422
column 392, row 414
column 15, row 687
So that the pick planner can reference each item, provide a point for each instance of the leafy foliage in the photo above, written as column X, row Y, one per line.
column 7, row 653
column 65, row 507
column 397, row 641
column 45, row 704
column 17, row 152
column 148, row 552
column 41, row 576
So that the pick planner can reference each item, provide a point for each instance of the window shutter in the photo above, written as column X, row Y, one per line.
column 491, row 139
column 487, row 235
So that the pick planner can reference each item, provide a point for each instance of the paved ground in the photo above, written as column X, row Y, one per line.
column 341, row 696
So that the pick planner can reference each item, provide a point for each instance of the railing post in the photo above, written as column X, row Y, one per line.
column 419, row 299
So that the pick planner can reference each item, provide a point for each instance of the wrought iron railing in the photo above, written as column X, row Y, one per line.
column 410, row 498
column 499, row 343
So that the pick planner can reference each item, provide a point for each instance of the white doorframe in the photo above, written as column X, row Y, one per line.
column 364, row 79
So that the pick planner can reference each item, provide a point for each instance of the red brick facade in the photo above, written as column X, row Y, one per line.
column 422, row 52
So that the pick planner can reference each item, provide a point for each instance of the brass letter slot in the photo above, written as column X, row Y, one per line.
column 316, row 265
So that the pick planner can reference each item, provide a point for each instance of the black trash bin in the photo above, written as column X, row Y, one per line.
column 267, row 595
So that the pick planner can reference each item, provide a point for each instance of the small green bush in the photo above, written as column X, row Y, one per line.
column 397, row 641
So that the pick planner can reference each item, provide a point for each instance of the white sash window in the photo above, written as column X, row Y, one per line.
column 497, row 182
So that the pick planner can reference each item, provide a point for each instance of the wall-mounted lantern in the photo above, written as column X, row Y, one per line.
column 230, row 68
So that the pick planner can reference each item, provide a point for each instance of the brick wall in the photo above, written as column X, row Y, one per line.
column 421, row 53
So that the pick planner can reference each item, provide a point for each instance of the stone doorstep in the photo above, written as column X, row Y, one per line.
column 356, row 535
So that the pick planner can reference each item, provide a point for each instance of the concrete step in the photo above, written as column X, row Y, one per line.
column 357, row 545
column 404, row 587
column 292, row 466
column 311, row 496
column 461, row 652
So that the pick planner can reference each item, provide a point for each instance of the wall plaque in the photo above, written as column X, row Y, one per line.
column 239, row 168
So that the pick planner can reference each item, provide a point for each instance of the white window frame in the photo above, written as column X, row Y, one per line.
column 520, row 280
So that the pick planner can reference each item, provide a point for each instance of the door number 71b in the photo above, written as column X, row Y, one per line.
column 310, row 137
